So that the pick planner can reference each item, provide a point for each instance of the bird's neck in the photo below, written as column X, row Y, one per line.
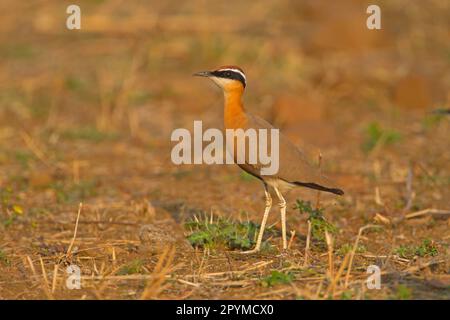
column 234, row 112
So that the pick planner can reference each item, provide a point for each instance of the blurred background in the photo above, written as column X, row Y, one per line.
column 86, row 115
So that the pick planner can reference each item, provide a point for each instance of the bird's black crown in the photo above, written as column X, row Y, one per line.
column 230, row 73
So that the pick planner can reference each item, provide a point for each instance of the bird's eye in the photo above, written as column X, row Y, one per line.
column 227, row 74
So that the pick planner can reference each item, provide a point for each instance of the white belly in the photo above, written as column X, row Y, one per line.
column 280, row 184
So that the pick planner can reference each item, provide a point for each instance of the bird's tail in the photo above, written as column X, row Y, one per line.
column 319, row 187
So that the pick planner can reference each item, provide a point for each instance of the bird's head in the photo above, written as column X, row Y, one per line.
column 229, row 78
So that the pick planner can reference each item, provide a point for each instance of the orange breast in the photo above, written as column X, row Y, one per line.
column 235, row 120
column 234, row 114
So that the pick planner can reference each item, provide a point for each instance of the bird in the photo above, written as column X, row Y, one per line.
column 294, row 169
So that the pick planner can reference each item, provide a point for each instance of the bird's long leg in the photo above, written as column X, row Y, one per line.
column 283, row 216
column 264, row 221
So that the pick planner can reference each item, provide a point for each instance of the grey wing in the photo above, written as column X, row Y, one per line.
column 293, row 164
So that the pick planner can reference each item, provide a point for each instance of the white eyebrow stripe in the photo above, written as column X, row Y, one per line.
column 234, row 70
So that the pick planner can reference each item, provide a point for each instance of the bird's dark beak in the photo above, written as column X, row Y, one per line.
column 203, row 74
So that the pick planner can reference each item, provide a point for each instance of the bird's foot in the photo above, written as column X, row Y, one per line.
column 255, row 250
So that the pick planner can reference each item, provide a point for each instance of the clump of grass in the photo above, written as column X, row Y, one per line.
column 318, row 223
column 346, row 295
column 434, row 179
column 404, row 251
column 376, row 135
column 139, row 97
column 223, row 233
column 347, row 247
column 9, row 209
column 74, row 83
column 432, row 120
column 277, row 277
column 24, row 158
column 4, row 258
column 17, row 51
column 80, row 86
column 89, row 134
column 135, row 266
column 426, row 248
column 5, row 196
column 40, row 106
column 74, row 192
column 180, row 174
column 403, row 293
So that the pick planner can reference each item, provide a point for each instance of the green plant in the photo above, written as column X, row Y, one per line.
column 404, row 251
column 4, row 259
column 403, row 292
column 346, row 295
column 222, row 232
column 376, row 135
column 88, row 134
column 135, row 266
column 201, row 238
column 17, row 51
column 432, row 120
column 74, row 192
column 347, row 247
column 139, row 97
column 74, row 83
column 277, row 277
column 318, row 222
column 9, row 208
column 426, row 248
column 24, row 158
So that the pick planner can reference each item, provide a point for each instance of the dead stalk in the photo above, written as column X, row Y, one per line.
column 355, row 247
column 45, row 284
column 330, row 243
column 55, row 278
column 409, row 190
column 163, row 267
column 69, row 250
column 291, row 239
column 332, row 287
column 33, row 147
column 308, row 241
column 30, row 263
column 431, row 211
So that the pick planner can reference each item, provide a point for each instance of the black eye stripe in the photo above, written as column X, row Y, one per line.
column 229, row 74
